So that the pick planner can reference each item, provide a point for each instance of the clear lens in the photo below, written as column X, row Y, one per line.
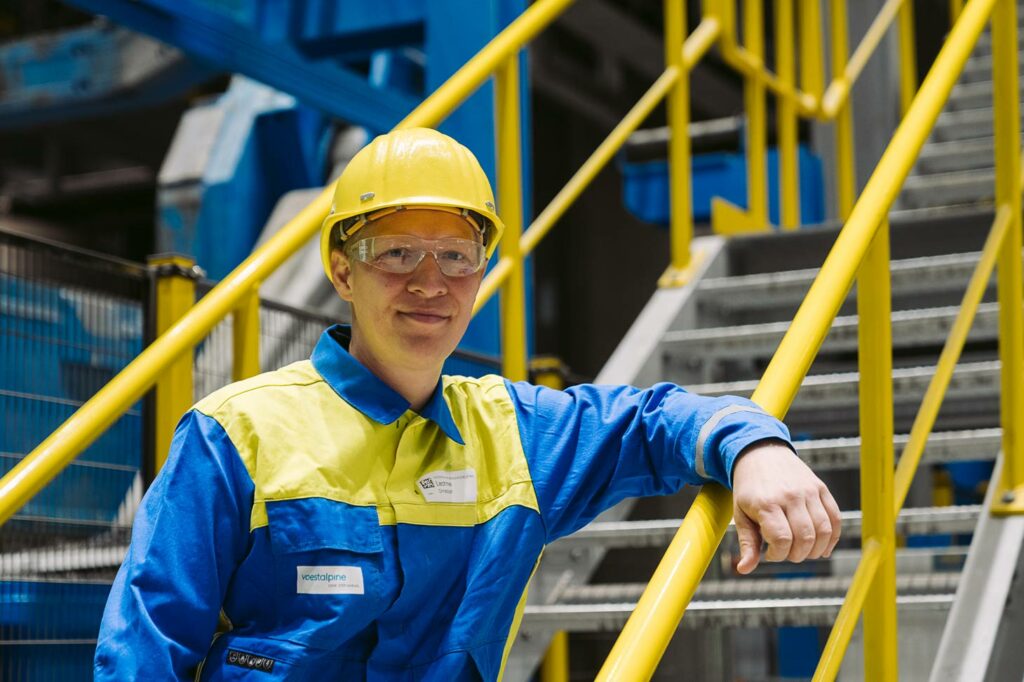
column 401, row 254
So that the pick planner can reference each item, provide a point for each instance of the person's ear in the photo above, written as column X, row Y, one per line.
column 341, row 274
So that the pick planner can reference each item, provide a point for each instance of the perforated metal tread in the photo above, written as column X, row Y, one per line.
column 909, row 276
column 753, row 613
column 659, row 532
column 928, row 326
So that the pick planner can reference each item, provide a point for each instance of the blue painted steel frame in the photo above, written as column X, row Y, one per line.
column 78, row 73
column 227, row 44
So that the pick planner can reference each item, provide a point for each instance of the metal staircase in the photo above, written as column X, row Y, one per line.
column 716, row 335
column 956, row 166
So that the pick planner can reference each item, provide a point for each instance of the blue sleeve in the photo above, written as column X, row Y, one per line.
column 191, row 531
column 590, row 447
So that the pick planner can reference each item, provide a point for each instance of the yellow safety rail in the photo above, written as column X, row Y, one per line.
column 861, row 250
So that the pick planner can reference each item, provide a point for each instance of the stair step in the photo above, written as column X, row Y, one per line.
column 659, row 532
column 979, row 68
column 926, row 326
column 974, row 95
column 974, row 379
column 947, row 189
column 963, row 124
column 909, row 276
column 750, row 613
column 943, row 446
column 958, row 155
column 744, row 589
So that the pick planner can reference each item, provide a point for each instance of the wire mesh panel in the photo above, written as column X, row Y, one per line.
column 69, row 321
column 287, row 335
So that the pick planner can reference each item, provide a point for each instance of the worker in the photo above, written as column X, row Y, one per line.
column 360, row 516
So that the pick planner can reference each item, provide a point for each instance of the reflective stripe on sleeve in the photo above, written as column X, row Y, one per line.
column 709, row 425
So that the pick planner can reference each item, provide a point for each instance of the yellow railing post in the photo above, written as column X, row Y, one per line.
column 874, row 350
column 846, row 180
column 678, row 111
column 908, row 56
column 549, row 371
column 812, row 77
column 754, row 102
column 789, row 170
column 1010, row 493
column 955, row 8
column 245, row 337
column 175, row 289
column 555, row 667
column 513, row 302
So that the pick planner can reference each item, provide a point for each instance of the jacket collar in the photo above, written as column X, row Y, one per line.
column 363, row 390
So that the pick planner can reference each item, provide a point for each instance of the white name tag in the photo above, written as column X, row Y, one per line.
column 329, row 580
column 449, row 486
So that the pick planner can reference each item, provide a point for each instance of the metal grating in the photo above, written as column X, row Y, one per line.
column 69, row 321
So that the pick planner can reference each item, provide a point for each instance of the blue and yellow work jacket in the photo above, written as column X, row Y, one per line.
column 345, row 537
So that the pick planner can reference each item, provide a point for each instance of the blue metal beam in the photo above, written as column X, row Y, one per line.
column 85, row 72
column 230, row 45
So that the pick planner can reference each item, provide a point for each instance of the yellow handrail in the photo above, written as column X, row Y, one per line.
column 849, row 612
column 695, row 47
column 83, row 427
column 838, row 90
column 924, row 421
column 658, row 611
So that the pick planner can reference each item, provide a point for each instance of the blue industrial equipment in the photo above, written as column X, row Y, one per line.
column 230, row 161
column 265, row 41
column 90, row 71
column 720, row 174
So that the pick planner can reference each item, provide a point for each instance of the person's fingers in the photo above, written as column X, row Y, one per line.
column 802, row 528
column 832, row 509
column 750, row 542
column 776, row 532
column 822, row 527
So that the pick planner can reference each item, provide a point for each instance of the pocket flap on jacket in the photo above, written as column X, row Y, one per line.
column 317, row 523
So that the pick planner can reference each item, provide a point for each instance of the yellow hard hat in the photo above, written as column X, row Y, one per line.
column 410, row 168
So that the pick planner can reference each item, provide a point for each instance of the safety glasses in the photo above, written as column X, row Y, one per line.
column 401, row 254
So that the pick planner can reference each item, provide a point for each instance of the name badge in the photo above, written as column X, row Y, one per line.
column 448, row 486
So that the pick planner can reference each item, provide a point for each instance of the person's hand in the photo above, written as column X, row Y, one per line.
column 778, row 499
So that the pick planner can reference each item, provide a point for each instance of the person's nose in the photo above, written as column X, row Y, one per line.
column 427, row 279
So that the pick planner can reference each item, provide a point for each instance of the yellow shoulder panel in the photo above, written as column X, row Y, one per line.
column 298, row 439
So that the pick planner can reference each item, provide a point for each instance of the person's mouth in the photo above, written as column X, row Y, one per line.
column 425, row 316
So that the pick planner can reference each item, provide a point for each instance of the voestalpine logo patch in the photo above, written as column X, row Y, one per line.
column 250, row 661
column 448, row 486
column 329, row 580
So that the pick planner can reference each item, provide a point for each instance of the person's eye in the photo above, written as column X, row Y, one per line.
column 396, row 252
column 454, row 256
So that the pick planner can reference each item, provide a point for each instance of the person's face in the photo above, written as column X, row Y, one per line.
column 408, row 320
